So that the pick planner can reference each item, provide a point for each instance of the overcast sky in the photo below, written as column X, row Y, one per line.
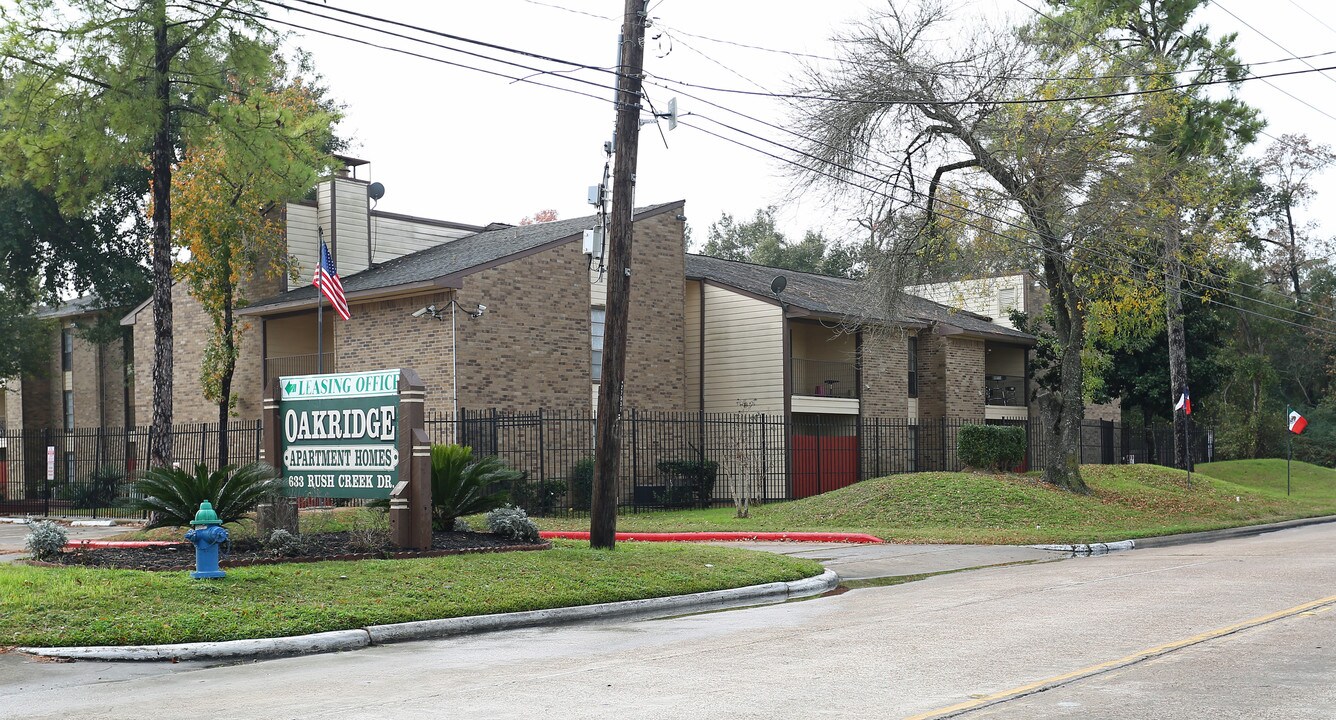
column 455, row 144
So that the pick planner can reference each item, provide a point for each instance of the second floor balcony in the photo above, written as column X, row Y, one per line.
column 824, row 378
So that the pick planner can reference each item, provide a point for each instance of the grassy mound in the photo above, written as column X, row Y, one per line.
column 1126, row 501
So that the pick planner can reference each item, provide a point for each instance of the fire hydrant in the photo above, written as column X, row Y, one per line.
column 207, row 540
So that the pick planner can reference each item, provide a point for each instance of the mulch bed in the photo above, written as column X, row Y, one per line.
column 314, row 548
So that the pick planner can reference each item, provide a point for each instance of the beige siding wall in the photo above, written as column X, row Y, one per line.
column 395, row 237
column 598, row 289
column 991, row 297
column 744, row 352
column 352, row 234
column 302, row 242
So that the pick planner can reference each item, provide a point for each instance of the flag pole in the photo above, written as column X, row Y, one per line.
column 319, row 309
column 1289, row 456
column 1188, row 446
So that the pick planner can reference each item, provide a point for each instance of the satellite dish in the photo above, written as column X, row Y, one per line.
column 376, row 191
column 778, row 284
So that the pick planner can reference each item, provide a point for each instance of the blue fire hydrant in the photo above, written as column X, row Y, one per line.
column 207, row 540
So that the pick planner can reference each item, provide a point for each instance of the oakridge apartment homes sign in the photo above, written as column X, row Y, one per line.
column 340, row 434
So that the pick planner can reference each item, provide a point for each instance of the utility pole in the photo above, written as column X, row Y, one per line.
column 603, row 510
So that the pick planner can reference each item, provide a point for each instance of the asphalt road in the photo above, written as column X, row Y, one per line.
column 1233, row 629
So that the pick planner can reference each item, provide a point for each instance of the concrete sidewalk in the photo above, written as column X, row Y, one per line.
column 865, row 562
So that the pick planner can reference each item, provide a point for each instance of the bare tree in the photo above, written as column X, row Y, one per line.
column 1287, row 169
column 913, row 91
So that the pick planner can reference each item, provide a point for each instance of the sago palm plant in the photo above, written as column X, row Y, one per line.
column 172, row 495
column 459, row 485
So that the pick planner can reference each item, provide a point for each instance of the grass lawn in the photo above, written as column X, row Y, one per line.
column 1127, row 501
column 85, row 606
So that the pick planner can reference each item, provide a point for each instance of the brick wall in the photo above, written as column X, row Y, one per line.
column 656, row 349
column 931, row 375
column 86, row 383
column 191, row 328
column 951, row 377
column 531, row 349
column 964, row 378
column 112, row 385
column 885, row 390
column 384, row 334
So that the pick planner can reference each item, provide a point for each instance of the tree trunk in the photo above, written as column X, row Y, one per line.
column 1063, row 411
column 1294, row 253
column 229, row 351
column 1178, row 353
column 162, row 156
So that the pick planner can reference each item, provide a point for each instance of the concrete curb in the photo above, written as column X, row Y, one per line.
column 342, row 640
column 1091, row 548
column 1185, row 538
column 1227, row 533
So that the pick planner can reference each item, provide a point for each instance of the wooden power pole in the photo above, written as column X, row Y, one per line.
column 626, row 143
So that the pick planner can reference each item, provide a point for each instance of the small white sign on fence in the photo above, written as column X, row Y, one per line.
column 50, row 462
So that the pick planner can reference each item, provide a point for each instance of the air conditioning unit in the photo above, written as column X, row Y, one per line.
column 593, row 243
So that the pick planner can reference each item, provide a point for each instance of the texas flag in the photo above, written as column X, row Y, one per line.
column 1297, row 422
column 1184, row 403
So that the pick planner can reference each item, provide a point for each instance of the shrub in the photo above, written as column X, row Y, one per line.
column 46, row 540
column 541, row 498
column 102, row 489
column 688, row 481
column 369, row 530
column 511, row 522
column 173, row 495
column 282, row 543
column 462, row 525
column 460, row 485
column 991, row 447
column 581, row 481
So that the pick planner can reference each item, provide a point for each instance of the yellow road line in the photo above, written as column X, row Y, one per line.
column 1136, row 657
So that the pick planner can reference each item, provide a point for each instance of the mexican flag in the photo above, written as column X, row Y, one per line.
column 1297, row 422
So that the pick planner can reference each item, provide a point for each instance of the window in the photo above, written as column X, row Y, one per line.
column 69, row 409
column 66, row 350
column 913, row 367
column 1006, row 302
column 596, row 319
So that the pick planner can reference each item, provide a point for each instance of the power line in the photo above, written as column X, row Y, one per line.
column 1319, row 20
column 1125, row 247
column 410, row 53
column 1004, row 236
column 1268, row 38
column 964, row 75
column 1007, row 101
column 567, row 89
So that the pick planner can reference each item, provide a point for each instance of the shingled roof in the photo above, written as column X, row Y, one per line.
column 842, row 298
column 435, row 265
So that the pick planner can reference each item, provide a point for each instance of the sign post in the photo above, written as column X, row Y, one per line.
column 351, row 435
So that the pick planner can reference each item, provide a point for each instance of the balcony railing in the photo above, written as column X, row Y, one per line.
column 297, row 365
column 821, row 378
column 1004, row 390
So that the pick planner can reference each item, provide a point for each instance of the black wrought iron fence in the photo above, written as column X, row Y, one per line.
column 668, row 460
column 91, row 471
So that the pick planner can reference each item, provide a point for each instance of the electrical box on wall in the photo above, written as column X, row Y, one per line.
column 593, row 243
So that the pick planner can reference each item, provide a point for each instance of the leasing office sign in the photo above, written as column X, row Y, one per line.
column 339, row 434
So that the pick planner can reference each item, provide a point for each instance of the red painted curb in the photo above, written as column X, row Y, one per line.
column 120, row 543
column 715, row 536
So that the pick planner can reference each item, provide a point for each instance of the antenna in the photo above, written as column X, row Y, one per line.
column 376, row 191
column 778, row 284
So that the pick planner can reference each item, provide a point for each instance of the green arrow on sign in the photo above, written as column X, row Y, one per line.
column 291, row 388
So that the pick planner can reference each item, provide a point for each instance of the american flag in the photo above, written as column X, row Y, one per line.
column 327, row 279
